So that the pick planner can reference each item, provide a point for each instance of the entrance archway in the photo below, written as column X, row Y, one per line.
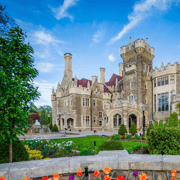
column 117, row 120
column 132, row 118
column 69, row 123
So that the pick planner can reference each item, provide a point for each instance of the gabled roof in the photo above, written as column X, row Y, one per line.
column 111, row 82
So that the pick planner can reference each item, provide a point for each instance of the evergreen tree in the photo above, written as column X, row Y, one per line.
column 43, row 117
column 133, row 129
column 149, row 129
column 122, row 130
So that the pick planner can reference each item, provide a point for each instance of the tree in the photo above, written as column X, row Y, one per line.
column 43, row 117
column 178, row 107
column 122, row 130
column 5, row 21
column 16, row 90
column 149, row 129
column 133, row 129
column 172, row 120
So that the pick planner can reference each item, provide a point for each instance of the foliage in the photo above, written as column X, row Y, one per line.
column 19, row 151
column 149, row 128
column 50, row 126
column 16, row 90
column 128, row 136
column 111, row 145
column 116, row 138
column 122, row 130
column 133, row 129
column 172, row 120
column 55, row 128
column 33, row 154
column 86, row 152
column 43, row 117
column 137, row 137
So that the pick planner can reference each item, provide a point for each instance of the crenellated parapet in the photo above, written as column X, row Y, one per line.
column 136, row 45
column 163, row 70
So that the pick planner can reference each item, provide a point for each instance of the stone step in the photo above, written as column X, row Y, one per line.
column 117, row 160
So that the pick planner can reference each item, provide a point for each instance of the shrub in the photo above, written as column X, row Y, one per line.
column 111, row 145
column 95, row 131
column 128, row 136
column 33, row 154
column 133, row 129
column 50, row 126
column 116, row 138
column 86, row 152
column 55, row 128
column 122, row 130
column 149, row 129
column 137, row 137
column 19, row 152
column 132, row 137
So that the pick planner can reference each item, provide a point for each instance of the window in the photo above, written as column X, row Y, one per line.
column 86, row 102
column 100, row 123
column 162, row 81
column 172, row 79
column 71, row 101
column 131, row 85
column 134, row 98
column 94, row 102
column 105, row 122
column 159, row 82
column 83, row 101
column 154, row 103
column 146, row 68
column 163, row 102
column 84, row 121
column 105, row 105
column 130, row 99
column 154, row 82
column 94, row 118
column 171, row 103
column 130, row 65
column 143, row 67
column 100, row 114
column 166, row 79
column 87, row 120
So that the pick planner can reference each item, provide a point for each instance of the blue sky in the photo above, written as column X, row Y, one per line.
column 93, row 32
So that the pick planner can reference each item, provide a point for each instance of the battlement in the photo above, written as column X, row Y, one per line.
column 163, row 70
column 137, row 43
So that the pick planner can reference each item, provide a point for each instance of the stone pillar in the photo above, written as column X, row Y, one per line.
column 125, row 121
column 65, row 122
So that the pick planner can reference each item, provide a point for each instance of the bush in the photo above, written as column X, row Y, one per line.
column 149, row 129
column 128, row 136
column 19, row 152
column 86, row 152
column 116, row 138
column 137, row 137
column 111, row 145
column 33, row 154
column 55, row 128
column 133, row 129
column 122, row 130
column 50, row 126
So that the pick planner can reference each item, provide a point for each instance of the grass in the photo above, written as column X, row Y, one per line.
column 88, row 141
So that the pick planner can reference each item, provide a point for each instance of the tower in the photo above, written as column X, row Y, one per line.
column 68, row 71
column 137, row 64
column 102, row 77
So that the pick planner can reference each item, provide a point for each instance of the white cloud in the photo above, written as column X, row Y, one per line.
column 142, row 10
column 61, row 11
column 45, row 66
column 111, row 57
column 97, row 36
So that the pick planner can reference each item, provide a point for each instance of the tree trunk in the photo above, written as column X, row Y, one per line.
column 10, row 153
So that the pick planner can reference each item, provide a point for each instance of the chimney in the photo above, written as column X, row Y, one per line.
column 94, row 78
column 102, row 77
column 130, row 40
column 146, row 40
column 120, row 69
column 68, row 71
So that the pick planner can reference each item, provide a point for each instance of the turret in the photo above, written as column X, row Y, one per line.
column 68, row 71
column 94, row 78
column 120, row 69
column 102, row 78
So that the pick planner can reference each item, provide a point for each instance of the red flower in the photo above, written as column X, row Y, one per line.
column 79, row 172
column 120, row 178
column 45, row 178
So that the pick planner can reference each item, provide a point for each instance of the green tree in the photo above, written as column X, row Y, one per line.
column 16, row 91
column 173, row 120
column 43, row 117
column 149, row 129
column 122, row 130
column 178, row 107
column 5, row 21
column 133, row 129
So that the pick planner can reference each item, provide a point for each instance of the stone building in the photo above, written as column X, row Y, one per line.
column 138, row 91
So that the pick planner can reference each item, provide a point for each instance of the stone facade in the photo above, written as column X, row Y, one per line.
column 89, row 105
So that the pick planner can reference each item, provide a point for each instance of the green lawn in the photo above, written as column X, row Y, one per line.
column 85, row 142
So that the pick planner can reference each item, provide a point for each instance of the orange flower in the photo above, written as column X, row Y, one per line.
column 120, row 178
column 1, row 178
column 79, row 172
column 107, row 170
column 173, row 172
column 27, row 178
column 56, row 176
column 143, row 176
column 172, row 178
column 96, row 173
column 107, row 177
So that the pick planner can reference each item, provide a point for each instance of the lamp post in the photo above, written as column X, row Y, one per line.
column 143, row 108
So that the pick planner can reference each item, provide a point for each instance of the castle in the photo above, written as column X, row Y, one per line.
column 138, row 94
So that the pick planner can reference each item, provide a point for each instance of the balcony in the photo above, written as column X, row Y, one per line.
column 131, row 69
